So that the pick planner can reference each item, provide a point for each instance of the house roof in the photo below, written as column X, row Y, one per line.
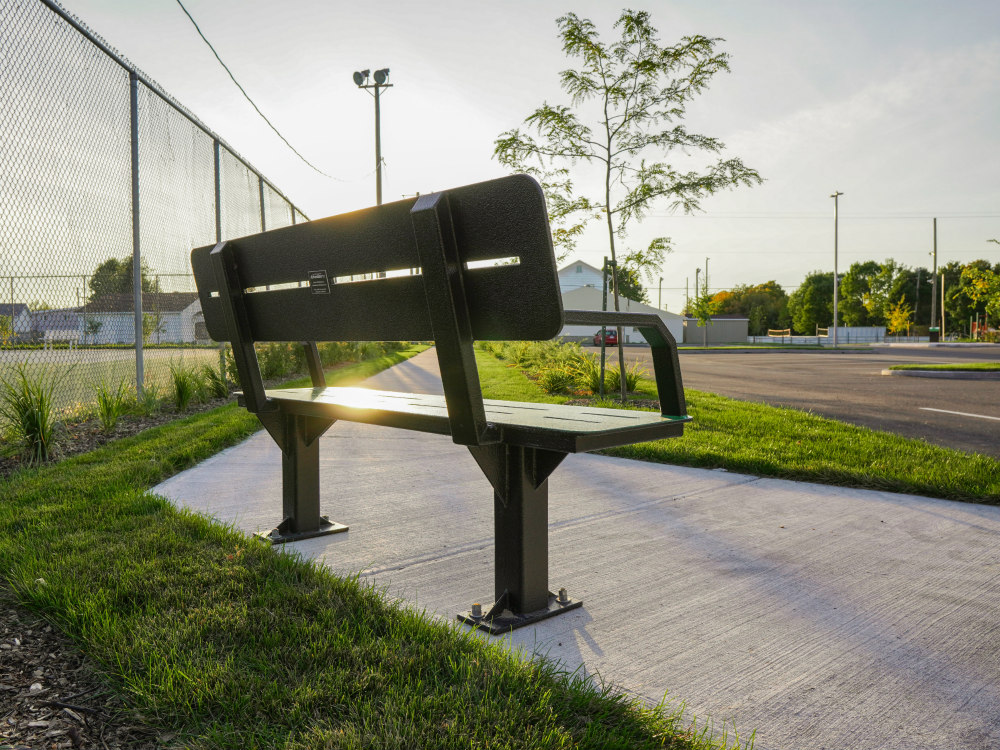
column 13, row 310
column 151, row 301
column 576, row 263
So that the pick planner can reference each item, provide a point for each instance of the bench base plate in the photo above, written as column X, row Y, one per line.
column 505, row 621
column 278, row 536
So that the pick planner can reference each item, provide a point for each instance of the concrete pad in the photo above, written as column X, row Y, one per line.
column 822, row 617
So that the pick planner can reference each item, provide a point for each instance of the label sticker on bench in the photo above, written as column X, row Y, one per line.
column 319, row 282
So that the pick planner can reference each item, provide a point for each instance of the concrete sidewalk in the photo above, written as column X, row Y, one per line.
column 820, row 616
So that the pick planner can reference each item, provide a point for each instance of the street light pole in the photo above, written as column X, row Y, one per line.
column 360, row 79
column 836, row 281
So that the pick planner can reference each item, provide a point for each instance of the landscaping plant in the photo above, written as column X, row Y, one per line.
column 215, row 381
column 112, row 403
column 27, row 409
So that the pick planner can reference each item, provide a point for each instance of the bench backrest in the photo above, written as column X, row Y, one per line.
column 295, row 284
column 296, row 281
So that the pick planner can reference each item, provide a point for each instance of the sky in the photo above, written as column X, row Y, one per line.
column 894, row 103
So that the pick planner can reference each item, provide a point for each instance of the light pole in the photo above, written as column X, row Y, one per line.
column 659, row 299
column 836, row 285
column 361, row 79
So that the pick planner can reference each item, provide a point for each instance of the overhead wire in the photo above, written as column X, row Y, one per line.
column 252, row 103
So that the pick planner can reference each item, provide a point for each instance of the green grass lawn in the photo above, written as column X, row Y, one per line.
column 232, row 643
column 980, row 366
column 769, row 441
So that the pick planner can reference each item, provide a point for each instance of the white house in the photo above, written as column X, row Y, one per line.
column 578, row 275
column 171, row 316
column 60, row 325
column 589, row 298
column 581, row 287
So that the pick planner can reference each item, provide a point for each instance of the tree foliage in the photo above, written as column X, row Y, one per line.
column 630, row 285
column 627, row 100
column 811, row 305
column 768, row 299
column 114, row 276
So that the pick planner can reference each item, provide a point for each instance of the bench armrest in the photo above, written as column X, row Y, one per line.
column 666, row 366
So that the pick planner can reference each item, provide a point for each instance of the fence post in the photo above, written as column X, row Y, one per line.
column 136, row 250
column 216, row 150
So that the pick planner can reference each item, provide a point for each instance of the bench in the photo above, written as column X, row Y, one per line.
column 473, row 263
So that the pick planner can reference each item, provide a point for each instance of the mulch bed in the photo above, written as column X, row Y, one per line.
column 53, row 698
column 85, row 435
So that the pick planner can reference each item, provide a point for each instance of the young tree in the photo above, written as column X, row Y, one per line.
column 6, row 329
column 627, row 100
column 899, row 316
column 630, row 285
column 703, row 307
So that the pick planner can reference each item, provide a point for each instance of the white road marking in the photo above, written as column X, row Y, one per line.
column 960, row 413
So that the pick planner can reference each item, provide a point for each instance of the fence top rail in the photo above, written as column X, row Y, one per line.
column 153, row 86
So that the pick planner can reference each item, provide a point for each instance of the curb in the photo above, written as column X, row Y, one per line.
column 945, row 374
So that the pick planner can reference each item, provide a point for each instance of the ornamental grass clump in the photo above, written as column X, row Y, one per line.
column 26, row 408
column 555, row 380
column 188, row 386
column 113, row 402
column 215, row 381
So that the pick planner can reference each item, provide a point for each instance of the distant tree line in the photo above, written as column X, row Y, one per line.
column 871, row 294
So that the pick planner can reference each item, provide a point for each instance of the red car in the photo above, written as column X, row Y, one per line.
column 610, row 337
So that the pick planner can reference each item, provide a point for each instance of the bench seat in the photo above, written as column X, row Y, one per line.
column 555, row 427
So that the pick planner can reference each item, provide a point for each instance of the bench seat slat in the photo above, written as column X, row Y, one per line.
column 570, row 429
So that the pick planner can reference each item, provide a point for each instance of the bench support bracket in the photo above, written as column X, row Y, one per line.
column 298, row 437
column 520, row 511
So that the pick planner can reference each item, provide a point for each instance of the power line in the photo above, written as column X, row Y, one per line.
column 247, row 96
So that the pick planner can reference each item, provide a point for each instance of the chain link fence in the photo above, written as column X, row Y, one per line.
column 108, row 184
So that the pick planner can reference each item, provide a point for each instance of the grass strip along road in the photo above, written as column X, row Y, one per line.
column 770, row 441
column 231, row 643
column 958, row 367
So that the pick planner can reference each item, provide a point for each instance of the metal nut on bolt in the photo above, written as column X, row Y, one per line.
column 563, row 597
column 477, row 610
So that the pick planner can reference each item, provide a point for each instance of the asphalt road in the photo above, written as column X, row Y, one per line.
column 849, row 386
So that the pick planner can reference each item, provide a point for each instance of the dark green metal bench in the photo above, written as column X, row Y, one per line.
column 299, row 284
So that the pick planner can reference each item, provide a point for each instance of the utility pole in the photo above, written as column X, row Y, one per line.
column 916, row 305
column 836, row 280
column 934, row 282
column 942, row 307
column 360, row 79
column 659, row 300
column 706, row 275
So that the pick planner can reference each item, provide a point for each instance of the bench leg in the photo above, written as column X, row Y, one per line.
column 300, row 480
column 521, row 516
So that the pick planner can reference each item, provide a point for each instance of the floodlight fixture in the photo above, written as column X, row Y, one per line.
column 361, row 80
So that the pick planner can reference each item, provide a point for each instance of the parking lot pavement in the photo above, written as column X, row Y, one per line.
column 848, row 385
column 820, row 616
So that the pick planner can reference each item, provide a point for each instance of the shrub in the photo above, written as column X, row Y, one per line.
column 112, row 403
column 27, row 408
